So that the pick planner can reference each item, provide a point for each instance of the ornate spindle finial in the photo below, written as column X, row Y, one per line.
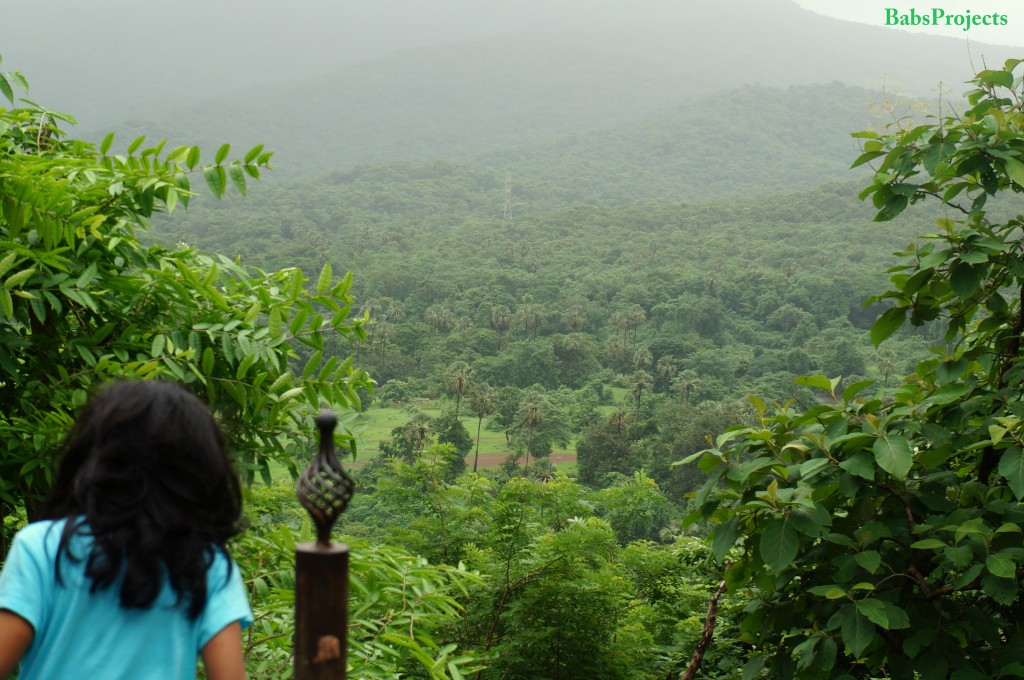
column 325, row 489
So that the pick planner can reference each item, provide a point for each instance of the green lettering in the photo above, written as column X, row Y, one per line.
column 937, row 13
column 891, row 16
column 1002, row 20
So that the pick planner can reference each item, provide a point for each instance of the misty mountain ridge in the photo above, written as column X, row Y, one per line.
column 471, row 98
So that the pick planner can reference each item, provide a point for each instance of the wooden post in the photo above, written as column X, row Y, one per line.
column 321, row 568
column 321, row 612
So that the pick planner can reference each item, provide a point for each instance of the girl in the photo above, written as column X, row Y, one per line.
column 127, row 576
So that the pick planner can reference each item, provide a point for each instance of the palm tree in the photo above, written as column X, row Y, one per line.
column 886, row 365
column 458, row 380
column 574, row 318
column 666, row 370
column 483, row 402
column 641, row 381
column 635, row 318
column 531, row 414
column 501, row 318
column 439, row 317
column 570, row 347
column 685, row 383
column 642, row 359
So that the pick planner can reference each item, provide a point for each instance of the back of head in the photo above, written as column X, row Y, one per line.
column 146, row 473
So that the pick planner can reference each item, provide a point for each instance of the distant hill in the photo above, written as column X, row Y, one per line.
column 482, row 96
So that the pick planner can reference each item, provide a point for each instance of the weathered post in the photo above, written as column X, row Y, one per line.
column 321, row 568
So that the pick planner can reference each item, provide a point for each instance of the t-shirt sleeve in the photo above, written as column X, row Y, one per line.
column 226, row 600
column 26, row 577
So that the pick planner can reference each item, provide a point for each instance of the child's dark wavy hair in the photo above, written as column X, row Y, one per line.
column 145, row 472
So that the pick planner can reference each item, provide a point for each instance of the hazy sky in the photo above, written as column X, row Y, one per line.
column 873, row 12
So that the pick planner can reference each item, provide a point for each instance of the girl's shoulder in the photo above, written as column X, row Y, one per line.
column 44, row 536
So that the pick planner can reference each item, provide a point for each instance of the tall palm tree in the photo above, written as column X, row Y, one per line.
column 685, row 383
column 641, row 381
column 458, row 380
column 483, row 402
column 531, row 414
column 501, row 319
column 666, row 370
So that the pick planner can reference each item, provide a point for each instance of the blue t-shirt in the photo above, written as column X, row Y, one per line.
column 79, row 634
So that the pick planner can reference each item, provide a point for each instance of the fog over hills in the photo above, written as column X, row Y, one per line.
column 110, row 60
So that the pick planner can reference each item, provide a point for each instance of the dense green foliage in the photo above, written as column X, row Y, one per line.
column 881, row 533
column 84, row 301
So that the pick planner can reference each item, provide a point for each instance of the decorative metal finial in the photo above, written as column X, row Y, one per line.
column 325, row 489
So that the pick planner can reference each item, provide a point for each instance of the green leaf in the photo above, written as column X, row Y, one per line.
column 896, row 616
column 253, row 153
column 1002, row 590
column 157, row 348
column 1001, row 564
column 19, row 278
column 928, row 544
column 222, row 153
column 6, row 89
column 725, row 538
column 857, row 631
column 861, row 464
column 1011, row 467
column 874, row 610
column 323, row 283
column 237, row 177
column 819, row 381
column 208, row 360
column 275, row 325
column 893, row 454
column 216, row 179
column 887, row 323
column 193, row 157
column 105, row 144
column 780, row 543
column 6, row 303
column 136, row 143
column 869, row 560
column 964, row 278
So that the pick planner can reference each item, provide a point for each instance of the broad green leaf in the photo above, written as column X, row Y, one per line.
column 965, row 278
column 857, row 631
column 1011, row 467
column 928, row 544
column 887, row 323
column 893, row 454
column 725, row 537
column 1001, row 564
column 779, row 544
column 193, row 157
column 861, row 464
column 819, row 381
column 1002, row 590
column 874, row 610
column 869, row 560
